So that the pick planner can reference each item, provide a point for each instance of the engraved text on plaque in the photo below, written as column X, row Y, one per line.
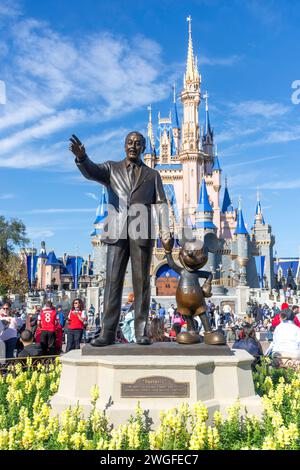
column 155, row 386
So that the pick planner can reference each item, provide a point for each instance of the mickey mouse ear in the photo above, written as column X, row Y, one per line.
column 212, row 242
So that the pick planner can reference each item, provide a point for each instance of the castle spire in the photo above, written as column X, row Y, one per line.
column 204, row 212
column 227, row 203
column 240, row 226
column 191, row 73
column 208, row 132
column 259, row 218
column 216, row 166
column 176, row 120
column 203, row 203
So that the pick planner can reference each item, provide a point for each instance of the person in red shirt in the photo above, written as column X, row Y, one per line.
column 47, row 322
column 293, row 315
column 76, row 324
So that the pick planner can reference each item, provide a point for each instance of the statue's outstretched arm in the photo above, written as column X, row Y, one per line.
column 89, row 169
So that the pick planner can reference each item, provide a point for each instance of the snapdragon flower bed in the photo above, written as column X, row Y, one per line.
column 26, row 422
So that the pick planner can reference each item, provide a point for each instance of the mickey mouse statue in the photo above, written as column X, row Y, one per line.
column 190, row 296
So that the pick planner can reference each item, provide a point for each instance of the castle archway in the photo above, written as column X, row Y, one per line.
column 166, row 281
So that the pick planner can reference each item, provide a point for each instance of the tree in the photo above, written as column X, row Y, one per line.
column 12, row 234
column 13, row 276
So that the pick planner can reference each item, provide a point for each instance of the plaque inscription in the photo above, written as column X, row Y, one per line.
column 155, row 386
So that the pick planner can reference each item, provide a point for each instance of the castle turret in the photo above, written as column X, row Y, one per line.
column 204, row 213
column 264, row 240
column 228, row 215
column 214, row 192
column 259, row 218
column 242, row 244
column 41, row 273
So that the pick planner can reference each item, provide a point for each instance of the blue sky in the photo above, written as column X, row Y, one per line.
column 92, row 68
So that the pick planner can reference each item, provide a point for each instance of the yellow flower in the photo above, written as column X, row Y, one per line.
column 95, row 393
column 76, row 440
column 218, row 418
column 63, row 437
column 28, row 435
column 3, row 439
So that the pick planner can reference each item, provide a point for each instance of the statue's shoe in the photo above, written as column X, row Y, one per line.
column 214, row 337
column 143, row 340
column 101, row 341
column 188, row 338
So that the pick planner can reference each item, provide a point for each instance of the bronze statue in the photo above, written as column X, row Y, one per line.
column 129, row 183
column 190, row 296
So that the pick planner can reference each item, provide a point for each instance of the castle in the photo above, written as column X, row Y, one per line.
column 187, row 159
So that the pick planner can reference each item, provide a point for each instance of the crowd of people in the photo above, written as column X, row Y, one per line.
column 44, row 331
column 52, row 331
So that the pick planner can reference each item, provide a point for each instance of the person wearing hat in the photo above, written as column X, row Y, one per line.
column 290, row 316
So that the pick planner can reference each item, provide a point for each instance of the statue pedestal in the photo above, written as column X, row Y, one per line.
column 160, row 377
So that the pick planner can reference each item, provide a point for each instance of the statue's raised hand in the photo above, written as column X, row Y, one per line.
column 77, row 147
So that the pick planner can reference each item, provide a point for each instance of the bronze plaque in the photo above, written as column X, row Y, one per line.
column 155, row 387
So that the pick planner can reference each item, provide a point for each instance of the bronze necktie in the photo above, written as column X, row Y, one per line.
column 131, row 173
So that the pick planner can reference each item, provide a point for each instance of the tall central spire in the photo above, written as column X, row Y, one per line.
column 191, row 73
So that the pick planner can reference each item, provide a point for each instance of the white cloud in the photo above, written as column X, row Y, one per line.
column 42, row 129
column 38, row 233
column 258, row 108
column 251, row 162
column 9, row 9
column 59, row 211
column 222, row 61
column 285, row 184
column 55, row 81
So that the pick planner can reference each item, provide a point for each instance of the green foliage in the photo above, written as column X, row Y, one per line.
column 13, row 276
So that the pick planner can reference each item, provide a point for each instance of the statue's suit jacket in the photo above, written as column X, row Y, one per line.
column 147, row 191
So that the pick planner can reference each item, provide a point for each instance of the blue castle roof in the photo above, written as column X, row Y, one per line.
column 227, row 204
column 240, row 226
column 52, row 260
column 101, row 213
column 203, row 203
column 285, row 264
column 176, row 120
column 216, row 166
column 258, row 212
